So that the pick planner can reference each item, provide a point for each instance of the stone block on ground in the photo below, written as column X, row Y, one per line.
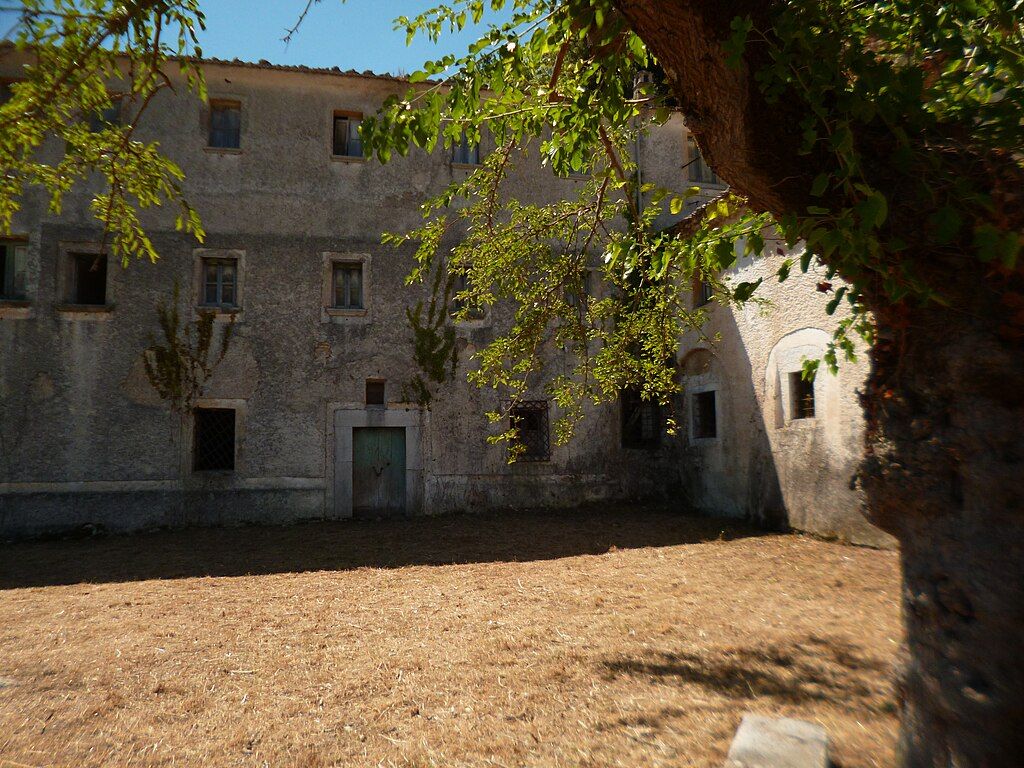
column 778, row 742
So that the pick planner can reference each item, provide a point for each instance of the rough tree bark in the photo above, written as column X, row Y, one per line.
column 944, row 403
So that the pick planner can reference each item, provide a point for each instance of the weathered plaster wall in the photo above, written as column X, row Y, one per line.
column 764, row 464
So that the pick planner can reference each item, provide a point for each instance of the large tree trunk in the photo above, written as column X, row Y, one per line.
column 944, row 469
column 944, row 473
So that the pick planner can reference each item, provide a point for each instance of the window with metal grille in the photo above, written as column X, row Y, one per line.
column 530, row 420
column 705, row 417
column 87, row 279
column 225, row 124
column 13, row 260
column 214, row 444
column 641, row 420
column 375, row 392
column 220, row 283
column 347, row 142
column 466, row 152
column 348, row 285
column 697, row 169
column 801, row 393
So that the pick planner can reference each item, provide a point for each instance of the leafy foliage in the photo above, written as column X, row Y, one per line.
column 92, row 58
column 179, row 368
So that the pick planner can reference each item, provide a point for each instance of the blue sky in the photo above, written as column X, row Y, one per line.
column 356, row 34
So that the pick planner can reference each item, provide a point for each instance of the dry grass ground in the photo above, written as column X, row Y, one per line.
column 612, row 638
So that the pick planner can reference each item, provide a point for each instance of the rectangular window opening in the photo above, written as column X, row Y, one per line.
column 225, row 125
column 705, row 292
column 220, row 283
column 347, row 142
column 530, row 420
column 87, row 279
column 697, row 169
column 375, row 391
column 214, row 443
column 466, row 152
column 802, row 396
column 641, row 420
column 108, row 116
column 705, row 417
column 13, row 269
column 348, row 285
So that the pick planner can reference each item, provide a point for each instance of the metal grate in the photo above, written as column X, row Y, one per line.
column 641, row 421
column 214, row 448
column 530, row 420
column 802, row 392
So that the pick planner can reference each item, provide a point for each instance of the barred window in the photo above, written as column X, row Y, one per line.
column 214, row 440
column 705, row 417
column 642, row 420
column 802, row 396
column 530, row 420
column 225, row 124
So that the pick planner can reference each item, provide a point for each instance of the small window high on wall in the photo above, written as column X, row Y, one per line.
column 801, row 392
column 225, row 124
column 346, row 140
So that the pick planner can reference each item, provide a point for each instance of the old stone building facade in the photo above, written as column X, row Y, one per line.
column 308, row 416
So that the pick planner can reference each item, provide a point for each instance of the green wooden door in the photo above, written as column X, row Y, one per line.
column 378, row 471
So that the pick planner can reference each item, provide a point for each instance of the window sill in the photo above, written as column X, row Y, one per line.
column 349, row 158
column 805, row 423
column 85, row 311
column 223, row 150
column 342, row 315
column 466, row 166
column 703, row 441
column 15, row 309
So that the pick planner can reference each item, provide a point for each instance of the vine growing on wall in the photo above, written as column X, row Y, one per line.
column 179, row 366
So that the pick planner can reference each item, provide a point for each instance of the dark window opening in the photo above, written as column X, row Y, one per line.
column 705, row 418
column 108, row 116
column 641, row 421
column 802, row 394
column 87, row 282
column 225, row 125
column 697, row 169
column 704, row 292
column 466, row 152
column 473, row 311
column 13, row 259
column 220, row 283
column 214, row 447
column 530, row 420
column 347, row 142
column 348, row 286
column 375, row 392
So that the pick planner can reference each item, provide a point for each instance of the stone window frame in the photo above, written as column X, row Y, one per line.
column 218, row 478
column 332, row 314
column 220, row 313
column 19, row 308
column 351, row 114
column 785, row 395
column 786, row 358
column 691, row 392
column 72, row 311
column 243, row 122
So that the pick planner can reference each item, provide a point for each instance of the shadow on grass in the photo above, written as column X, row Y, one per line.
column 333, row 546
column 812, row 669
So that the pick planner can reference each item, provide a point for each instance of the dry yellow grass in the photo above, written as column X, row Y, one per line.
column 603, row 638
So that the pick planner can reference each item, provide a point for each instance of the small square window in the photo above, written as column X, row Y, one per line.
column 697, row 169
column 346, row 141
column 641, row 421
column 530, row 420
column 375, row 392
column 225, row 124
column 108, row 116
column 461, row 284
column 348, row 285
column 465, row 152
column 705, row 417
column 214, row 440
column 87, row 279
column 220, row 283
column 13, row 268
column 801, row 392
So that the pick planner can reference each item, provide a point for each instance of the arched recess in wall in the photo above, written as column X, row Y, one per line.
column 705, row 414
column 787, row 399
